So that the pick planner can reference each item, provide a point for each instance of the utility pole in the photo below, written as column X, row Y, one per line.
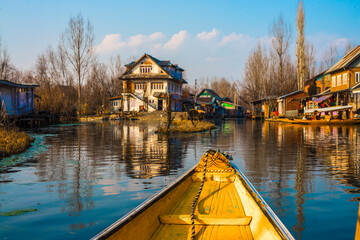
column 195, row 94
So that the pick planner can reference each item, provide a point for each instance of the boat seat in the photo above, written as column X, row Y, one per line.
column 205, row 220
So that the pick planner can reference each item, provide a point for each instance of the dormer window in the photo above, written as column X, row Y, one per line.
column 146, row 69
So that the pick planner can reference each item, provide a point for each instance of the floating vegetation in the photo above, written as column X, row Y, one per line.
column 36, row 148
column 13, row 141
column 186, row 126
column 18, row 212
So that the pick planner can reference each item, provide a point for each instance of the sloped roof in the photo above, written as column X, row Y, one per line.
column 346, row 60
column 292, row 93
column 160, row 63
column 264, row 99
column 19, row 85
column 212, row 93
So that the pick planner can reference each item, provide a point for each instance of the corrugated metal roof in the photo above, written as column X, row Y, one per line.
column 292, row 93
column 346, row 60
column 20, row 85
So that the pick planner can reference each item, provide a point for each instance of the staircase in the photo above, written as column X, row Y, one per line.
column 138, row 96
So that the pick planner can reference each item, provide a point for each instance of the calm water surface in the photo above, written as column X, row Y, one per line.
column 90, row 175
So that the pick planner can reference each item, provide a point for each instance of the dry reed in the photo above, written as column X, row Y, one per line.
column 185, row 126
column 13, row 141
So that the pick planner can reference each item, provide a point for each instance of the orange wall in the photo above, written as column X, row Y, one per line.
column 351, row 73
column 342, row 86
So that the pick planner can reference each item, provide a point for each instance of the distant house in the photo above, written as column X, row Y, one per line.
column 262, row 108
column 291, row 105
column 147, row 83
column 318, row 84
column 210, row 102
column 115, row 104
column 17, row 98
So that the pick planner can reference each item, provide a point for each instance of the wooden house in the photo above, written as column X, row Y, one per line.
column 345, row 75
column 317, row 84
column 147, row 83
column 264, row 107
column 210, row 102
column 17, row 98
column 115, row 104
column 291, row 105
column 233, row 109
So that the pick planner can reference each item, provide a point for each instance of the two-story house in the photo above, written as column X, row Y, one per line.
column 148, row 82
column 345, row 78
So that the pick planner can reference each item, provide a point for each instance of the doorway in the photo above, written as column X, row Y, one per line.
column 160, row 104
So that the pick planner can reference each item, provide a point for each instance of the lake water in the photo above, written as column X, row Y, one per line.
column 81, row 178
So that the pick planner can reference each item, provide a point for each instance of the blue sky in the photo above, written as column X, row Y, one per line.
column 206, row 38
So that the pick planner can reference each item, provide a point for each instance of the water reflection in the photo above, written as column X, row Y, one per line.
column 93, row 174
column 287, row 161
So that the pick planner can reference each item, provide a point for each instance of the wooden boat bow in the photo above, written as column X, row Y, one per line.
column 228, row 207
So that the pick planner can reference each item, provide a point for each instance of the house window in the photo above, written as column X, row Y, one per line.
column 339, row 80
column 333, row 81
column 146, row 69
column 140, row 86
column 357, row 77
column 157, row 86
column 345, row 78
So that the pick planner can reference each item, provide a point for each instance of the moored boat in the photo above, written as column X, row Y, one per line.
column 281, row 120
column 328, row 122
column 213, row 200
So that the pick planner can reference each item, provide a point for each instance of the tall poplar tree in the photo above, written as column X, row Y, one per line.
column 300, row 47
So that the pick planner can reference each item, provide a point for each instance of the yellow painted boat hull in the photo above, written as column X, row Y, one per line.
column 229, row 207
column 325, row 122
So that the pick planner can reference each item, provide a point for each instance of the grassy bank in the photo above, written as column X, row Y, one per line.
column 186, row 126
column 13, row 141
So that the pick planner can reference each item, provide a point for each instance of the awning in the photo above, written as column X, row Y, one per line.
column 159, row 95
column 323, row 98
column 328, row 109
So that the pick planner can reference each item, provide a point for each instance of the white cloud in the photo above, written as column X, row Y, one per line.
column 113, row 42
column 232, row 37
column 207, row 35
column 176, row 40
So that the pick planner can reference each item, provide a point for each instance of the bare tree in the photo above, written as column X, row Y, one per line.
column 77, row 42
column 281, row 35
column 41, row 69
column 300, row 47
column 349, row 46
column 6, row 67
column 116, row 70
column 310, row 60
column 330, row 57
column 257, row 74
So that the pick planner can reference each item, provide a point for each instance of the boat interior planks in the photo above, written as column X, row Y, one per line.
column 228, row 208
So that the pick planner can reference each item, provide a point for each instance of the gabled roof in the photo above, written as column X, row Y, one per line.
column 212, row 93
column 160, row 63
column 19, row 85
column 346, row 60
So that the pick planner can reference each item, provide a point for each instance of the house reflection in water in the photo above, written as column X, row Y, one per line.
column 146, row 154
column 292, row 157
